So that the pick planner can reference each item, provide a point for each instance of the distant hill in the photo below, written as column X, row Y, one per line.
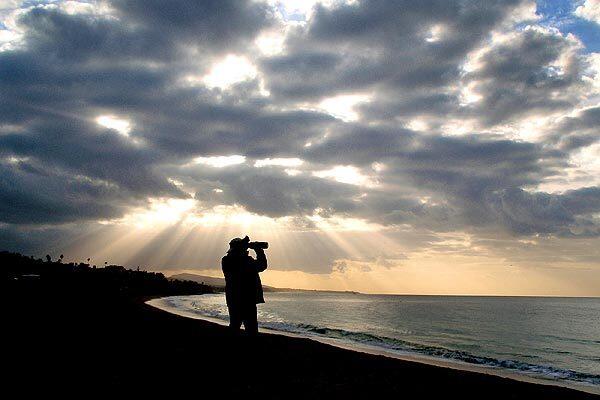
column 207, row 280
column 219, row 283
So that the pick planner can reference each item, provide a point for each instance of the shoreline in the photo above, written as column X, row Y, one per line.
column 372, row 350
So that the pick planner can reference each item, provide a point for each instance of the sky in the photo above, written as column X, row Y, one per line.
column 431, row 147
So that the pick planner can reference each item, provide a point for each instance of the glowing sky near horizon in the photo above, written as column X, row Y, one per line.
column 432, row 147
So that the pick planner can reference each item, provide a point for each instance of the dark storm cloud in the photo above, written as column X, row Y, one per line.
column 38, row 241
column 58, row 172
column 32, row 195
column 270, row 191
column 501, row 160
column 99, row 153
column 76, row 67
column 215, row 24
column 382, row 46
column 418, row 103
column 467, row 181
column 34, row 86
column 517, row 211
column 401, row 208
column 79, row 38
column 565, row 214
column 371, row 21
column 579, row 131
column 524, row 76
column 534, row 73
column 187, row 126
column 59, row 165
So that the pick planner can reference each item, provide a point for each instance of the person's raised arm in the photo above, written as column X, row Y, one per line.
column 261, row 260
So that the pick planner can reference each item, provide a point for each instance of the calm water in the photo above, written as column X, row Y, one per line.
column 552, row 338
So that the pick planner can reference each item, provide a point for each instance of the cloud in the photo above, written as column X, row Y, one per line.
column 534, row 71
column 272, row 192
column 436, row 116
column 578, row 131
column 30, row 194
column 380, row 46
column 590, row 10
column 565, row 214
column 212, row 24
column 79, row 37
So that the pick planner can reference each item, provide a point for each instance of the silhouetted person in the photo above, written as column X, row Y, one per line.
column 243, row 289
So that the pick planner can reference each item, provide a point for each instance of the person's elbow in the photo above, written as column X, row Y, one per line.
column 262, row 265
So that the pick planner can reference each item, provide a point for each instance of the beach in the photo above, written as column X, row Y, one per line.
column 70, row 346
column 211, row 308
column 546, row 340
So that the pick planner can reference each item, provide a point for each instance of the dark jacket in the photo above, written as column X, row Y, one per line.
column 242, row 282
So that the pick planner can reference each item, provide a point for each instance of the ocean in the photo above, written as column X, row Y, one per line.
column 548, row 338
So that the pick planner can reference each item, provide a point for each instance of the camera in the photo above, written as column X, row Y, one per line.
column 258, row 245
column 245, row 244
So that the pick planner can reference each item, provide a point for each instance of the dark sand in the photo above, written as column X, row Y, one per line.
column 74, row 344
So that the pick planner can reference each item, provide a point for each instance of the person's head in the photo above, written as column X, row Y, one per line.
column 239, row 245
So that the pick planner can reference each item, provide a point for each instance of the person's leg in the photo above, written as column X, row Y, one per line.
column 250, row 320
column 235, row 319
